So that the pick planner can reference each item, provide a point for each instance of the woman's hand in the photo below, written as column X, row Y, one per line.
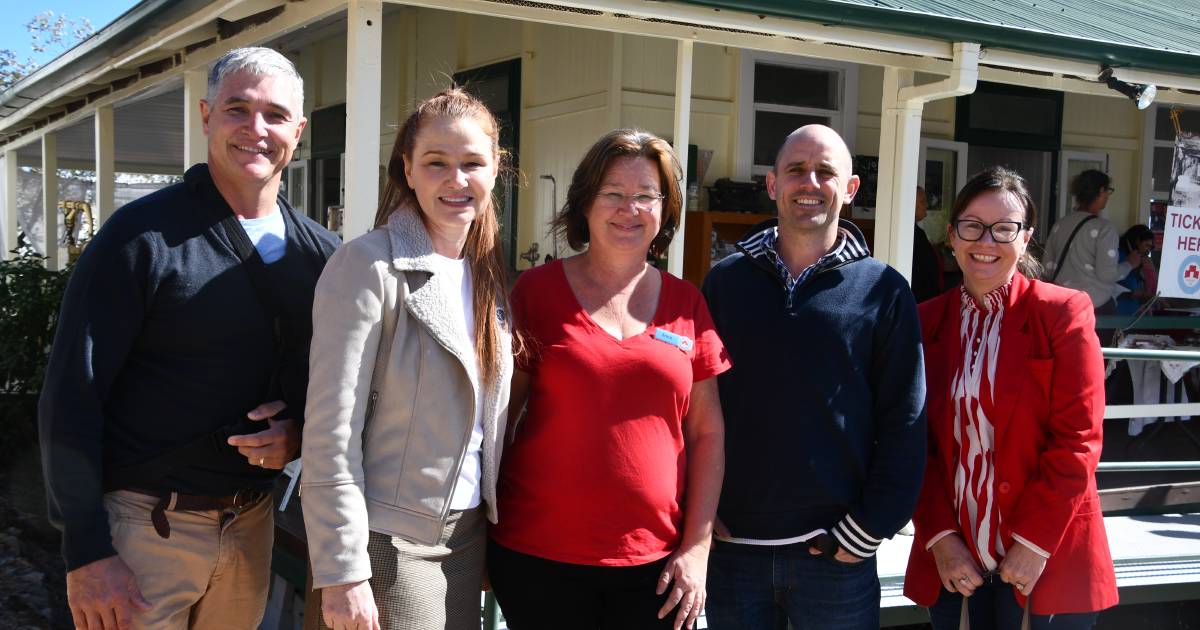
column 688, row 568
column 349, row 607
column 1022, row 567
column 955, row 565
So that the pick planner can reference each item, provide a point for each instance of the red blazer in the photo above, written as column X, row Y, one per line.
column 1048, row 438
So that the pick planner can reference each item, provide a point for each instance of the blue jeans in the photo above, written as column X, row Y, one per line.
column 764, row 588
column 993, row 606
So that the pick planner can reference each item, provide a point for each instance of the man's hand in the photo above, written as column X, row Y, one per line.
column 1022, row 567
column 103, row 595
column 350, row 607
column 273, row 447
column 955, row 566
column 841, row 556
column 689, row 569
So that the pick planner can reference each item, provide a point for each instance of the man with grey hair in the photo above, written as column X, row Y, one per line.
column 176, row 383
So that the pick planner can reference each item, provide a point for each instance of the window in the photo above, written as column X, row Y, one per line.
column 779, row 93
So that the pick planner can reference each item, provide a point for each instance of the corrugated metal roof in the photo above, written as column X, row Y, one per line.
column 1162, row 35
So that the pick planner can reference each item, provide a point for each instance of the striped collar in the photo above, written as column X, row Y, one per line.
column 762, row 246
column 994, row 300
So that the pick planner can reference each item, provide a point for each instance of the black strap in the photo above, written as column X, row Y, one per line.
column 1062, row 256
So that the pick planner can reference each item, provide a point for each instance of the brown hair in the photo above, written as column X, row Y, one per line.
column 482, row 248
column 571, row 221
column 997, row 179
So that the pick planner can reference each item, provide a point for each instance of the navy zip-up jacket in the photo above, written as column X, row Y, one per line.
column 162, row 341
column 824, row 405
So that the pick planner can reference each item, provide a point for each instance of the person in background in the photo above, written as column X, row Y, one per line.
column 411, row 347
column 1009, row 517
column 927, row 281
column 826, row 428
column 610, row 484
column 175, row 388
column 1081, row 252
column 1142, row 280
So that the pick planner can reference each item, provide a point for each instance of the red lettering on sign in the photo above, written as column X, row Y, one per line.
column 1192, row 271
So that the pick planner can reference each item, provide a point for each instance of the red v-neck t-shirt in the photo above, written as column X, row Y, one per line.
column 597, row 469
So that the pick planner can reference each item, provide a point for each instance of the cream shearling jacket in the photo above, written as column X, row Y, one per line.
column 382, row 452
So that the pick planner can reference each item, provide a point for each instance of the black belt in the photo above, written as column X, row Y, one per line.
column 179, row 502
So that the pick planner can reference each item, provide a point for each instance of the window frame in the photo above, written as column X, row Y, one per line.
column 844, row 119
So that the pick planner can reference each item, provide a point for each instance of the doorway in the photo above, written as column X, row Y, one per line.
column 499, row 87
column 1035, row 166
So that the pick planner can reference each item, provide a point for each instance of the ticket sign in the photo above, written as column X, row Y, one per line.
column 1180, row 273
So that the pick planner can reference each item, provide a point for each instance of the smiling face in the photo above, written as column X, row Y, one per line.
column 253, row 125
column 811, row 180
column 452, row 171
column 626, row 227
column 986, row 264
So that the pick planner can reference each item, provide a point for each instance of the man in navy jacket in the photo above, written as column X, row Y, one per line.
column 824, row 406
column 175, row 388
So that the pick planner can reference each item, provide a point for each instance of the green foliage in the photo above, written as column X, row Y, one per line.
column 30, row 296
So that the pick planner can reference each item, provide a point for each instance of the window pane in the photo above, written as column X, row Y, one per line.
column 770, row 128
column 798, row 87
column 1164, row 129
column 1160, row 174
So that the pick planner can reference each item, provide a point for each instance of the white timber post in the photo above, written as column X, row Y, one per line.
column 12, row 222
column 50, row 213
column 106, row 176
column 364, row 76
column 683, row 121
column 899, row 146
column 195, row 145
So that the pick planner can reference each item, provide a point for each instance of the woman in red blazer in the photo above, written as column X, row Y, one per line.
column 1015, row 403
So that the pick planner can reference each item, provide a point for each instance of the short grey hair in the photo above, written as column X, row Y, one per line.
column 258, row 61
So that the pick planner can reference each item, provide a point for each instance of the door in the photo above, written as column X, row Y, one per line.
column 942, row 172
column 1070, row 164
column 499, row 87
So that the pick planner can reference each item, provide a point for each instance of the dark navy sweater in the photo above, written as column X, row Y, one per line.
column 824, row 405
column 162, row 340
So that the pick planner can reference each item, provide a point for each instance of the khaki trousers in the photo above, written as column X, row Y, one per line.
column 213, row 572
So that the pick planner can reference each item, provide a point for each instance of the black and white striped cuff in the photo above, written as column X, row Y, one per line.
column 855, row 539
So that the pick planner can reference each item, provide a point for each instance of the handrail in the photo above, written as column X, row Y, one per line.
column 1149, row 354
column 1147, row 466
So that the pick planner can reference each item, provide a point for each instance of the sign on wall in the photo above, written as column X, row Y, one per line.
column 1180, row 272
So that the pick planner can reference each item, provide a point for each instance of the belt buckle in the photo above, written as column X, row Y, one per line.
column 245, row 498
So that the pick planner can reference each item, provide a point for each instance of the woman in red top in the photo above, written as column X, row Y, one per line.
column 1008, row 515
column 610, row 484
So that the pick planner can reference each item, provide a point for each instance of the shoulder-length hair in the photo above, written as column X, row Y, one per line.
column 482, row 249
column 571, row 221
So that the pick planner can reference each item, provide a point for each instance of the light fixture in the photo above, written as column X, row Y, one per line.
column 1143, row 95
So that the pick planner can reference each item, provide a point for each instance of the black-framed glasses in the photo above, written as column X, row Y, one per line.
column 1002, row 231
column 641, row 201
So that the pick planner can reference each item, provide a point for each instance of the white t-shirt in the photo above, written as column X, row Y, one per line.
column 269, row 235
column 456, row 274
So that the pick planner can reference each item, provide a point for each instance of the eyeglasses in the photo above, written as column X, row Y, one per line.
column 1002, row 231
column 641, row 201
column 1110, row 189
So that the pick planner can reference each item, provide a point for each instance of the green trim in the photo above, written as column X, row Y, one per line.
column 957, row 30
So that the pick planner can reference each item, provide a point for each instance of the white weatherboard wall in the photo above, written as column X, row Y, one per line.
column 579, row 83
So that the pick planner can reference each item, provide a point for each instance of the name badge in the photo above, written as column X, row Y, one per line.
column 679, row 341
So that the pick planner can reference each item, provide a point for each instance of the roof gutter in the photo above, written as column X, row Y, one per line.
column 120, row 35
column 952, row 29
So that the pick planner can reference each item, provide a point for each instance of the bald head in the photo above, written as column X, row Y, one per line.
column 817, row 137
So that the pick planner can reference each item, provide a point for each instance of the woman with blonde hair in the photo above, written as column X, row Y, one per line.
column 410, row 367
